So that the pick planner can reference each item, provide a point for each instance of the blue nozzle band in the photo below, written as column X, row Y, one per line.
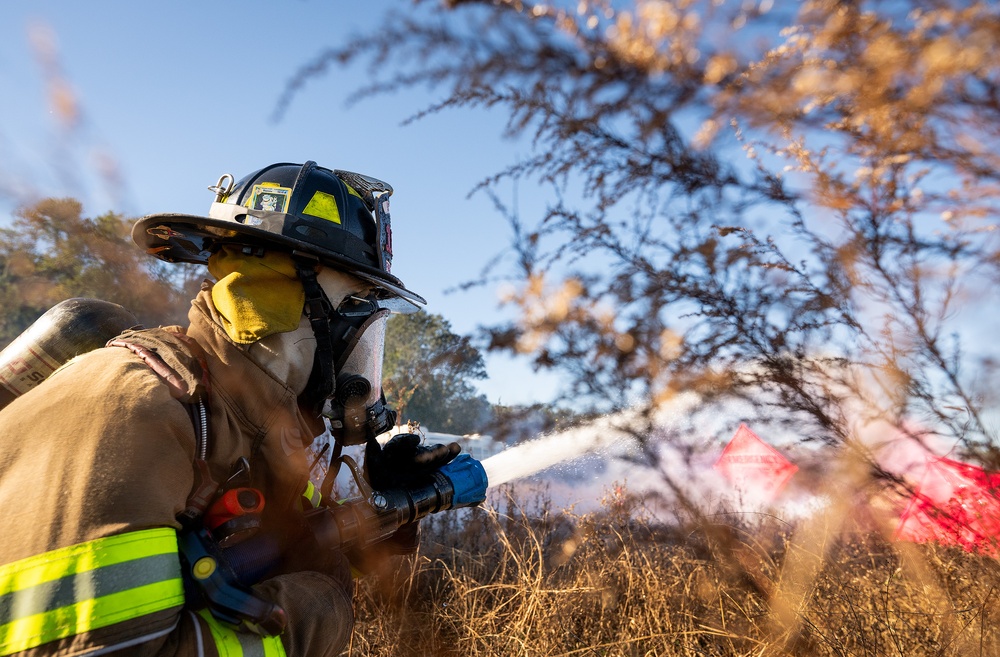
column 468, row 478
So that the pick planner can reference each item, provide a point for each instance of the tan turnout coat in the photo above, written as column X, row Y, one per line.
column 103, row 448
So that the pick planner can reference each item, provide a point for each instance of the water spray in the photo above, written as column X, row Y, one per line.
column 528, row 458
column 374, row 516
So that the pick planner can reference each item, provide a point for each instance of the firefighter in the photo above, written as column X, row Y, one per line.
column 113, row 470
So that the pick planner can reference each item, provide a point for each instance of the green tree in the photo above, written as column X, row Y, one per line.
column 428, row 372
column 51, row 252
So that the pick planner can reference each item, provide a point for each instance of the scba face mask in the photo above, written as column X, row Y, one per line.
column 356, row 409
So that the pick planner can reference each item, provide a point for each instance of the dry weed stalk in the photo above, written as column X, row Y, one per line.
column 520, row 579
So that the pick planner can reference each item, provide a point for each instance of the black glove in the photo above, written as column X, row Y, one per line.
column 404, row 463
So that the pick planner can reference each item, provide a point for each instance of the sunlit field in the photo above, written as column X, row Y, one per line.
column 533, row 580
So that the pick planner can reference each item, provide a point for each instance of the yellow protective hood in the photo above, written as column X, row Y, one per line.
column 256, row 296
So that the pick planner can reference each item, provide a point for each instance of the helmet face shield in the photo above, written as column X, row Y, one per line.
column 365, row 357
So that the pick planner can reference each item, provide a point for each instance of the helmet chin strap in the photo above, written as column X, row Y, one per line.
column 319, row 310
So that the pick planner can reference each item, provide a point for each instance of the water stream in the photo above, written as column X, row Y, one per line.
column 602, row 436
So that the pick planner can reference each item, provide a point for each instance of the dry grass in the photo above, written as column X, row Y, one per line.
column 552, row 583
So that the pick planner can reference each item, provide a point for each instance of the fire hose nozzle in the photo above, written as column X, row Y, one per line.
column 468, row 481
column 376, row 516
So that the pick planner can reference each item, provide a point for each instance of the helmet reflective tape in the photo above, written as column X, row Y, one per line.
column 324, row 206
column 88, row 586
column 232, row 643
column 352, row 191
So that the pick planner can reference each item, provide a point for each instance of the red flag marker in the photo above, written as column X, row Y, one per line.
column 753, row 466
column 955, row 504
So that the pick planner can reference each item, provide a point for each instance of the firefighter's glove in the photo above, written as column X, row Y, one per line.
column 404, row 463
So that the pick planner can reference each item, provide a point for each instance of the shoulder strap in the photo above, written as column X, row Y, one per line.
column 180, row 364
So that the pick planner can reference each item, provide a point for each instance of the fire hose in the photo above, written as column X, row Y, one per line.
column 222, row 576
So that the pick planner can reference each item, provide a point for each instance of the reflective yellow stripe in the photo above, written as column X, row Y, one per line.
column 86, row 556
column 324, row 206
column 88, row 586
column 231, row 643
column 312, row 495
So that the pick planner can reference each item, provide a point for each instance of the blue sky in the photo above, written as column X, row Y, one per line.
column 175, row 94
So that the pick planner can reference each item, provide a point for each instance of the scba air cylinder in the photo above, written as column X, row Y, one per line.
column 66, row 330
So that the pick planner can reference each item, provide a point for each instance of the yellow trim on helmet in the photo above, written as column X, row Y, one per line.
column 324, row 206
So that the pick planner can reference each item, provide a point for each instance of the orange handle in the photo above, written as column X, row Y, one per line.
column 232, row 504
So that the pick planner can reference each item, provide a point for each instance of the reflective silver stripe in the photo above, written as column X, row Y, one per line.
column 134, row 642
column 197, row 634
column 88, row 585
column 252, row 645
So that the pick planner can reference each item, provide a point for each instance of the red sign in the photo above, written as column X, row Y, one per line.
column 753, row 466
column 955, row 504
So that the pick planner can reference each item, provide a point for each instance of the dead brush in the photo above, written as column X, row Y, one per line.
column 521, row 579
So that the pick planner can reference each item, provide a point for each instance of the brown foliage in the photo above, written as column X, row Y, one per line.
column 786, row 202
column 614, row 583
column 51, row 252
